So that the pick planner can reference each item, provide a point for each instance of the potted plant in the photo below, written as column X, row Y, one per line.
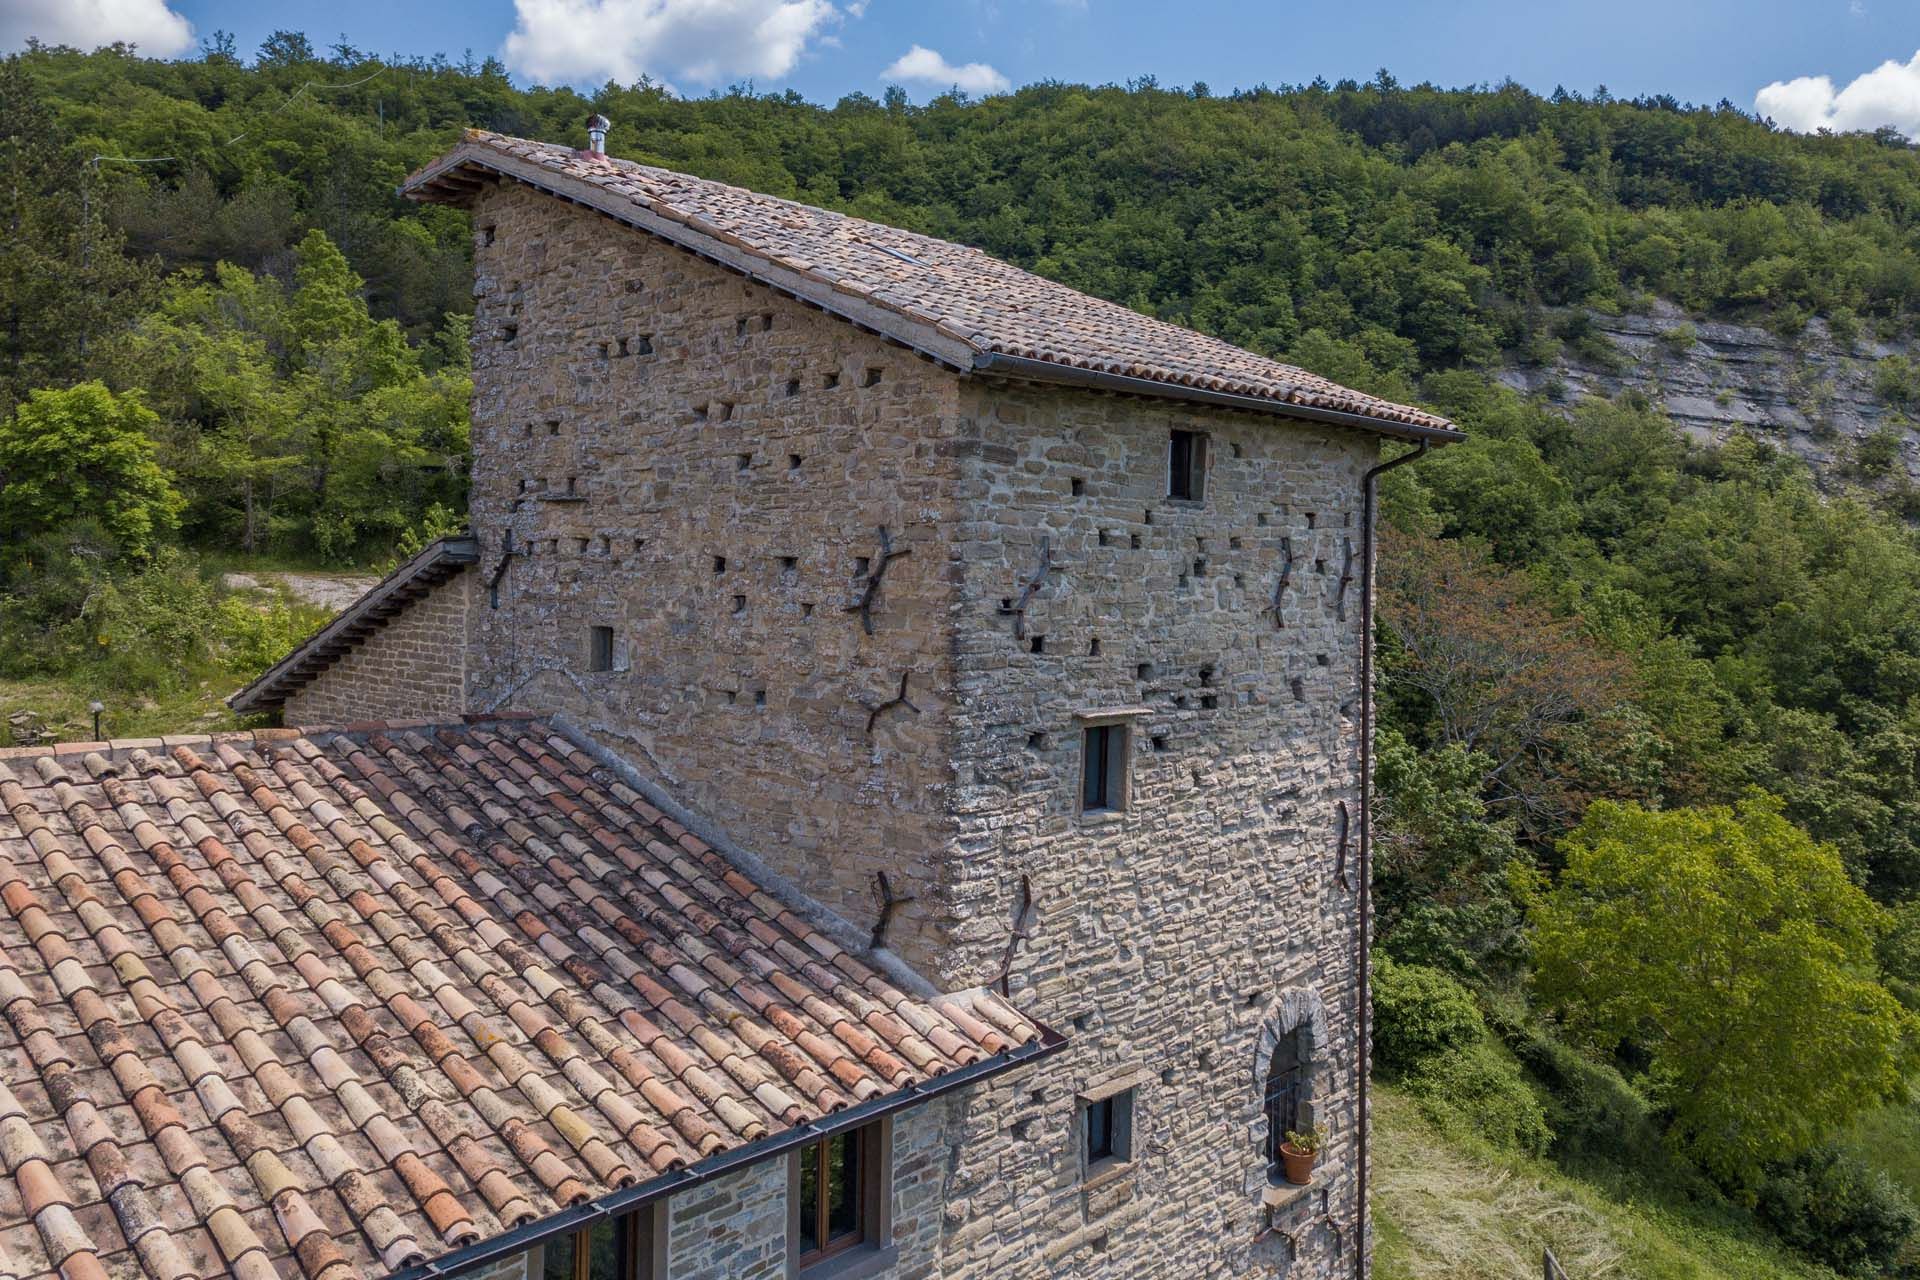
column 1298, row 1153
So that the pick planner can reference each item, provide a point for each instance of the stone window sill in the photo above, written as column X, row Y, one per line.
column 1107, row 1172
column 1281, row 1195
column 855, row 1264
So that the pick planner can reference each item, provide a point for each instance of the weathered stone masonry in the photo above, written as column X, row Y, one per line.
column 414, row 665
column 716, row 495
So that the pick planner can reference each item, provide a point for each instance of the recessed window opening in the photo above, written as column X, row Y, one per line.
column 793, row 386
column 1037, row 644
column 1135, row 540
column 620, row 348
column 1233, row 544
column 1144, row 671
column 1311, row 518
column 508, row 332
column 1079, row 487
column 599, row 648
column 1093, row 647
column 1186, row 466
column 1261, row 519
column 862, row 566
column 719, row 564
column 612, row 1249
column 1288, row 1091
column 871, row 378
column 553, row 426
column 486, row 236
column 741, row 461
column 837, row 1195
column 789, row 563
column 1106, row 1131
column 739, row 605
column 606, row 350
column 829, row 382
column 740, row 327
column 721, row 410
column 793, row 461
column 1103, row 768
column 1199, row 568
column 643, row 345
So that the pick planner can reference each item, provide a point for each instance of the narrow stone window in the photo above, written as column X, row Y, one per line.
column 740, row 327
column 1136, row 541
column 793, row 386
column 1037, row 644
column 1144, row 671
column 837, row 1199
column 1311, row 518
column 1106, row 1132
column 1187, row 466
column 719, row 564
column 766, row 322
column 1103, row 768
column 1078, row 486
column 1093, row 647
column 871, row 378
column 829, row 382
column 739, row 605
column 599, row 648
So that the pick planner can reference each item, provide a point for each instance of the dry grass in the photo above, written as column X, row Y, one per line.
column 1452, row 1210
column 1459, row 1216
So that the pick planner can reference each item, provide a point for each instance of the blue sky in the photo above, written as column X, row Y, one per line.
column 1699, row 50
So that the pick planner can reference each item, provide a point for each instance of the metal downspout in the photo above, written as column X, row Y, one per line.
column 1363, row 948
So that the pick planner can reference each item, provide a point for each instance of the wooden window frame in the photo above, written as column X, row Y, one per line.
column 1118, row 789
column 643, row 1243
column 1192, row 468
column 869, row 1250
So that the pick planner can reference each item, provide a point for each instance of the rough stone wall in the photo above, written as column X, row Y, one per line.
column 1165, row 935
column 715, row 496
column 413, row 666
column 708, row 495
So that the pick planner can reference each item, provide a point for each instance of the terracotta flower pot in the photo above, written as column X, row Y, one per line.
column 1298, row 1163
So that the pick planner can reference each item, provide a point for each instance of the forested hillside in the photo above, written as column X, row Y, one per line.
column 1649, row 850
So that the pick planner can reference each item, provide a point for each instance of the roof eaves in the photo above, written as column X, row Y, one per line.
column 1032, row 370
column 324, row 646
column 628, row 1199
column 810, row 286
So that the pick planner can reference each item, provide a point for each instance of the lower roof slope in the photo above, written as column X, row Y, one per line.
column 327, row 1004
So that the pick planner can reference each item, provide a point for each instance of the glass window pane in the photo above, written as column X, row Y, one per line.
column 603, row 1247
column 559, row 1258
column 809, row 1199
column 1100, row 1129
column 1094, row 768
column 843, row 1180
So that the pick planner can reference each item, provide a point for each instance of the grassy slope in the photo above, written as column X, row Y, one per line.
column 1889, row 1140
column 1449, row 1209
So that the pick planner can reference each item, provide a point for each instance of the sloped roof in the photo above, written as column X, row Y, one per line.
column 327, row 1004
column 953, row 302
column 381, row 603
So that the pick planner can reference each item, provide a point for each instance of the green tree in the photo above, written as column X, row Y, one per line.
column 84, row 453
column 1732, row 952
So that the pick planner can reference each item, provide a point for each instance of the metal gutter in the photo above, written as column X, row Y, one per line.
column 1363, row 948
column 1068, row 375
column 628, row 1199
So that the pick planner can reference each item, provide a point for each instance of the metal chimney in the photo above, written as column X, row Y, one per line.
column 597, row 126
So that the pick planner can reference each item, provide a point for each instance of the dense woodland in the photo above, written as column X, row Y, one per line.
column 1649, row 847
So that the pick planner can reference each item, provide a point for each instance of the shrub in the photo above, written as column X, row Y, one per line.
column 1831, row 1207
column 1418, row 1014
column 1590, row 1107
column 1680, row 339
column 1479, row 1089
column 1897, row 381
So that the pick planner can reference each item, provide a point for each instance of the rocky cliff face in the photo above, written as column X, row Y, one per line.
column 1810, row 394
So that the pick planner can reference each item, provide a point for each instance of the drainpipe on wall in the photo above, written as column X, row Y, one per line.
column 1369, row 485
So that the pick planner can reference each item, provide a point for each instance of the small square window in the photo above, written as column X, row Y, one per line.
column 1187, row 466
column 1106, row 1131
column 599, row 648
column 1103, row 768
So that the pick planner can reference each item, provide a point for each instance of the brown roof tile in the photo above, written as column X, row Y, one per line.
column 326, row 1005
column 964, row 305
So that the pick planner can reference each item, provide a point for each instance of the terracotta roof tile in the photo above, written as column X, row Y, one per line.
column 985, row 306
column 327, row 1005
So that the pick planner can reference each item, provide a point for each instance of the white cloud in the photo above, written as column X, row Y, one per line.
column 1887, row 95
column 88, row 24
column 925, row 66
column 580, row 41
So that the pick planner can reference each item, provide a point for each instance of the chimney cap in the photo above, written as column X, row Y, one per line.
column 597, row 126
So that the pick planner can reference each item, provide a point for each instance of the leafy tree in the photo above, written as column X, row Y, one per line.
column 1732, row 952
column 84, row 453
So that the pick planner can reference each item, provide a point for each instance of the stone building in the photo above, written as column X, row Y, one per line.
column 894, row 732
